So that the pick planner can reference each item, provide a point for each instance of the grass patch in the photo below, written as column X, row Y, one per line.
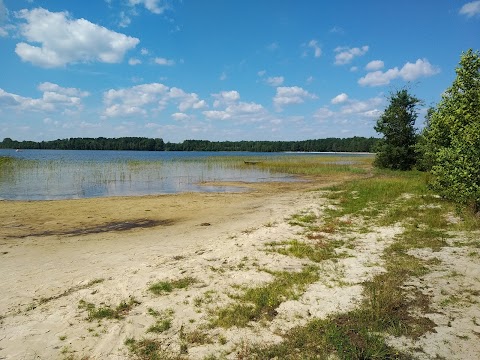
column 317, row 252
column 260, row 303
column 162, row 287
column 108, row 312
column 149, row 349
column 163, row 320
column 303, row 220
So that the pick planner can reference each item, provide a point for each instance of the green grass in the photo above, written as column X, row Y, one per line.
column 317, row 252
column 388, row 308
column 260, row 303
column 162, row 287
column 163, row 320
column 108, row 312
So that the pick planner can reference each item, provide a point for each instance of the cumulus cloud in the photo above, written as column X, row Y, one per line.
column 351, row 110
column 164, row 61
column 375, row 65
column 345, row 55
column 180, row 116
column 51, row 87
column 134, row 61
column 340, row 98
column 291, row 95
column 54, row 98
column 144, row 98
column 409, row 72
column 233, row 107
column 225, row 97
column 63, row 40
column 470, row 9
column 275, row 80
column 154, row 6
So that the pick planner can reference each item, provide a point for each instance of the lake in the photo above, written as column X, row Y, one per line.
column 72, row 174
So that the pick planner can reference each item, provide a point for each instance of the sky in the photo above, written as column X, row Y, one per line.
column 222, row 70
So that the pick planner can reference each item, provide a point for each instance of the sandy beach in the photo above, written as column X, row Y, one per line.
column 58, row 255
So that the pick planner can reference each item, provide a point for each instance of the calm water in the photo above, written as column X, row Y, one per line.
column 57, row 174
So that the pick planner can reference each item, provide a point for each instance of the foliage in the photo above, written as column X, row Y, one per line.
column 397, row 148
column 355, row 144
column 453, row 136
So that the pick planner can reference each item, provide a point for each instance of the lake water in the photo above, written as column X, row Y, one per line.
column 70, row 174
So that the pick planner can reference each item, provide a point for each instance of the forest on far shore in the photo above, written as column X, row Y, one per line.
column 353, row 144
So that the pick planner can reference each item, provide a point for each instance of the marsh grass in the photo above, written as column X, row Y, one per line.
column 108, row 312
column 260, row 303
column 162, row 287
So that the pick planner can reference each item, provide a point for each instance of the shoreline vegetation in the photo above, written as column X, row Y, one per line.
column 355, row 263
column 354, row 144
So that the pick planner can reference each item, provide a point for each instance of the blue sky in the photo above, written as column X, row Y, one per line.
column 222, row 69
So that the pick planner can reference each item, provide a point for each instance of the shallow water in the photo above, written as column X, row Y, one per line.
column 70, row 174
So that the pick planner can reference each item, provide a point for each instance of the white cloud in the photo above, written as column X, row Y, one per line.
column 164, row 61
column 470, row 9
column 3, row 32
column 261, row 73
column 144, row 51
column 225, row 97
column 275, row 80
column 216, row 115
column 378, row 78
column 64, row 40
column 317, row 51
column 180, row 116
column 421, row 68
column 233, row 108
column 142, row 99
column 124, row 20
column 345, row 54
column 409, row 72
column 223, row 76
column 340, row 98
column 54, row 98
column 48, row 86
column 365, row 108
column 154, row 6
column 353, row 110
column 134, row 61
column 375, row 65
column 291, row 95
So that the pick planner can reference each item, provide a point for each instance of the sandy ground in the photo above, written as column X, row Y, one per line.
column 55, row 254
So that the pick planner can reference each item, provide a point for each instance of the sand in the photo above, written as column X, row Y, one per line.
column 57, row 254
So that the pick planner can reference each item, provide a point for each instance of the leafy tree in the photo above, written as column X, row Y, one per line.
column 396, row 150
column 453, row 136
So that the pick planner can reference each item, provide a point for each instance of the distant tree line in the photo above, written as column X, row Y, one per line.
column 354, row 144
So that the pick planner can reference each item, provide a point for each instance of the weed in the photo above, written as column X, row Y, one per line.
column 318, row 252
column 162, row 287
column 107, row 312
column 261, row 302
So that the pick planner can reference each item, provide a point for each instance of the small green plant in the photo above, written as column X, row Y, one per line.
column 261, row 302
column 319, row 251
column 107, row 312
column 163, row 320
column 162, row 287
